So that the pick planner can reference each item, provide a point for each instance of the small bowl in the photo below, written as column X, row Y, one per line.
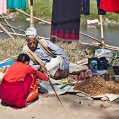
column 116, row 70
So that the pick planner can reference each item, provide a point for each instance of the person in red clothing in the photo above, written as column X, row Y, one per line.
column 18, row 86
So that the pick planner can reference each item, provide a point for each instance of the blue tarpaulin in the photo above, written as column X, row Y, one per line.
column 7, row 63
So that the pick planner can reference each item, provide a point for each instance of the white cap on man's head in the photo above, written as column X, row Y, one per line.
column 31, row 32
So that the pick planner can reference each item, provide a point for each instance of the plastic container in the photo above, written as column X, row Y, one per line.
column 106, row 77
column 110, row 71
column 93, row 66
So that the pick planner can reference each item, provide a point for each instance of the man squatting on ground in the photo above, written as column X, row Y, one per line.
column 58, row 67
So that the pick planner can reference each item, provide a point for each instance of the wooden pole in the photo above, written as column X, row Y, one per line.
column 21, row 11
column 31, row 14
column 90, row 37
column 106, row 46
column 21, row 31
column 13, row 27
column 18, row 34
column 34, row 56
column 10, row 27
column 28, row 3
column 6, row 31
column 101, row 24
column 57, row 95
column 9, row 33
column 95, row 44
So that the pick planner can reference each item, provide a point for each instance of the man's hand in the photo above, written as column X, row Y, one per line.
column 43, row 68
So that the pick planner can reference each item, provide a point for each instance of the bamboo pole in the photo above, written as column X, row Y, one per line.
column 10, row 27
column 22, row 34
column 91, row 44
column 18, row 34
column 33, row 17
column 13, row 27
column 28, row 3
column 90, row 37
column 95, row 44
column 50, row 24
column 31, row 14
column 57, row 95
column 105, row 45
column 101, row 24
column 34, row 56
column 101, row 42
column 11, row 33
column 32, row 25
column 6, row 31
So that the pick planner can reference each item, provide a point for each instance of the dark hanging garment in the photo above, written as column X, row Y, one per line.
column 85, row 7
column 110, row 5
column 100, row 11
column 65, row 23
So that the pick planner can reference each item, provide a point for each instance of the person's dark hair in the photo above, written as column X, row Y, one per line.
column 23, row 58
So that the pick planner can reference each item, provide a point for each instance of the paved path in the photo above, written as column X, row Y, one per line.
column 48, row 107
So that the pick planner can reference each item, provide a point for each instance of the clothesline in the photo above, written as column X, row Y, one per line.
column 102, row 5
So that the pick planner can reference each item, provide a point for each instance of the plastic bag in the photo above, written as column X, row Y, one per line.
column 115, row 60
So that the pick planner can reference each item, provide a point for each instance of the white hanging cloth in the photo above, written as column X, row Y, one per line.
column 3, row 7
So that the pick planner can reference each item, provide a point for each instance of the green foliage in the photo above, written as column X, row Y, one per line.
column 113, row 16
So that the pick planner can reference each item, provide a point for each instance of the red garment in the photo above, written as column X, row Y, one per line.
column 18, row 72
column 15, row 94
column 17, row 86
column 33, row 90
column 110, row 5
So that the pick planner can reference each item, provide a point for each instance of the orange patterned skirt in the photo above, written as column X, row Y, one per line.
column 33, row 91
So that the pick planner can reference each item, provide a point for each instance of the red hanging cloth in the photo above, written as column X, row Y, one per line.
column 110, row 5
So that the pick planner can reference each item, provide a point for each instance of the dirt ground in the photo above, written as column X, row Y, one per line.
column 48, row 107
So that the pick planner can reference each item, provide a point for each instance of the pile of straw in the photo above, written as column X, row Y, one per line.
column 75, row 50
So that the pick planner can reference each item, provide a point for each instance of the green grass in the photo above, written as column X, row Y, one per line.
column 43, row 9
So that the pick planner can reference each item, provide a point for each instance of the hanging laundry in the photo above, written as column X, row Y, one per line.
column 65, row 23
column 100, row 11
column 3, row 7
column 110, row 5
column 20, row 4
column 85, row 7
